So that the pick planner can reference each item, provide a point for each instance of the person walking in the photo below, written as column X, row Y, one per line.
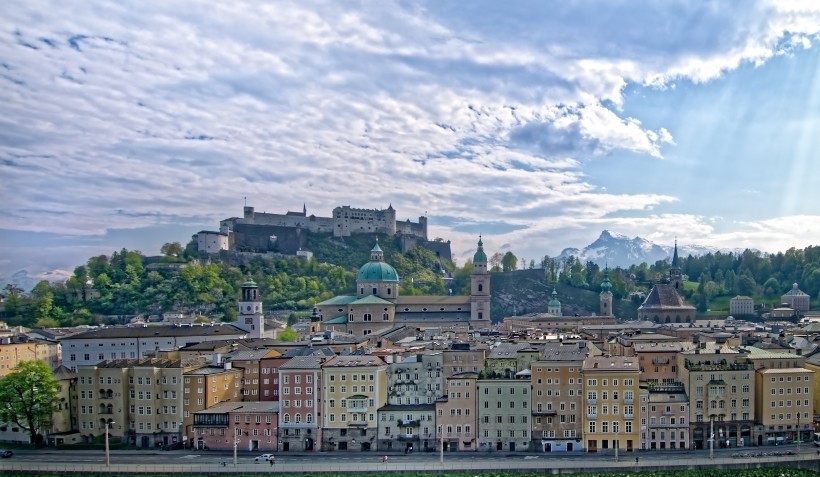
column 272, row 460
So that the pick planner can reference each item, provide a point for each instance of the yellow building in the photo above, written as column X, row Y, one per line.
column 204, row 387
column 783, row 404
column 610, row 388
column 15, row 350
column 140, row 400
column 720, row 384
column 353, row 389
column 813, row 364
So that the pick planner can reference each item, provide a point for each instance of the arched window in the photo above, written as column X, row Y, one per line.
column 298, row 418
column 308, row 418
column 286, row 418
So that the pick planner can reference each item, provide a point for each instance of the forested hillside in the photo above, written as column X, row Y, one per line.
column 127, row 283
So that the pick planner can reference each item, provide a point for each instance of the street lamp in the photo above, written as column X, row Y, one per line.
column 617, row 442
column 711, row 436
column 235, row 443
column 798, row 433
column 107, row 453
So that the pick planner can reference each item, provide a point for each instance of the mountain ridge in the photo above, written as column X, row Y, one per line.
column 618, row 250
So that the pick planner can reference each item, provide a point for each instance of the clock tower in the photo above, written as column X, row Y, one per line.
column 250, row 317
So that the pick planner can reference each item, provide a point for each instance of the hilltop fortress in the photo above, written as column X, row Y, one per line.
column 263, row 232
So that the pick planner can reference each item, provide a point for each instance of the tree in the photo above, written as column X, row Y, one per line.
column 171, row 249
column 28, row 396
column 287, row 335
column 509, row 262
column 495, row 262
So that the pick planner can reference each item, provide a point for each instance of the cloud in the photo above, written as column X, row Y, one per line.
column 124, row 117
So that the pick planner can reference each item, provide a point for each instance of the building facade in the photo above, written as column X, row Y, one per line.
column 610, row 387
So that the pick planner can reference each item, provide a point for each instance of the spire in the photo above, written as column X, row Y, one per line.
column 376, row 254
column 675, row 263
column 480, row 256
column 304, row 208
column 606, row 285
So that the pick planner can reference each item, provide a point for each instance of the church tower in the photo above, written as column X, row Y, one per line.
column 606, row 295
column 250, row 317
column 480, row 288
column 675, row 275
column 554, row 306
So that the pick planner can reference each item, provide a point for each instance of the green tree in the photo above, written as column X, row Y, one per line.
column 171, row 249
column 28, row 397
column 509, row 262
column 287, row 335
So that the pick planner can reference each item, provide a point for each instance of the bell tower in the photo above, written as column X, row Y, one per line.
column 675, row 274
column 480, row 288
column 606, row 295
column 250, row 317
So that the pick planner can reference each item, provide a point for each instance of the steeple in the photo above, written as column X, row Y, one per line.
column 554, row 306
column 606, row 285
column 376, row 254
column 605, row 298
column 675, row 274
column 675, row 261
column 480, row 256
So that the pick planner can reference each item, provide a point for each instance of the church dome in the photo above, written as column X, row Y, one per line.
column 480, row 256
column 554, row 302
column 376, row 270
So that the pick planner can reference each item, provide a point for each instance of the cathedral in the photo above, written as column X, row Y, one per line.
column 377, row 307
column 665, row 303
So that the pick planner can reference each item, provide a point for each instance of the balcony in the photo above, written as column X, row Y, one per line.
column 629, row 401
column 592, row 416
column 359, row 410
column 409, row 422
column 408, row 437
column 356, row 423
column 592, row 401
column 628, row 415
column 548, row 412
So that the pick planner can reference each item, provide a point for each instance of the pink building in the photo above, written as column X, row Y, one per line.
column 248, row 426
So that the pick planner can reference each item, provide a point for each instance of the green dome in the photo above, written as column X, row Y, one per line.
column 249, row 284
column 554, row 302
column 375, row 271
column 480, row 256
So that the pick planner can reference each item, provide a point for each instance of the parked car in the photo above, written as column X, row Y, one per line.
column 264, row 458
column 4, row 453
column 173, row 446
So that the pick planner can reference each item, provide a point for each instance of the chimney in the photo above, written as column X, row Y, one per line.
column 227, row 365
column 216, row 359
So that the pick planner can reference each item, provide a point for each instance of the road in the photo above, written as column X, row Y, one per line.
column 457, row 459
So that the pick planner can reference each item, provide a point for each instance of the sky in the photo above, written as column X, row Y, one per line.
column 129, row 124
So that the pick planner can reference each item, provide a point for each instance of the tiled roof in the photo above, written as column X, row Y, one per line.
column 338, row 300
column 371, row 300
column 303, row 362
column 664, row 296
column 153, row 331
column 354, row 361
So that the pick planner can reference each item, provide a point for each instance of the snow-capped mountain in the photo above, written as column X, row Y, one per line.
column 618, row 250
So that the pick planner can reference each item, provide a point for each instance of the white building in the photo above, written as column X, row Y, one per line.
column 133, row 342
column 741, row 305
